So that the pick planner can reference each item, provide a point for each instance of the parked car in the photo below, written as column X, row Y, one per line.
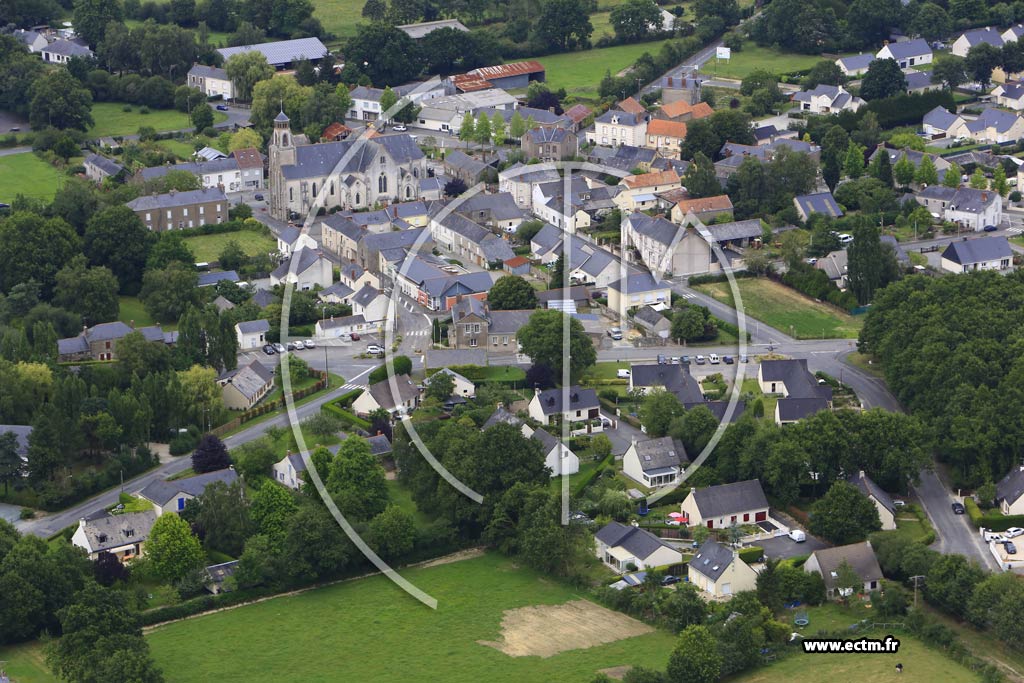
column 269, row 349
column 672, row 522
column 299, row 345
column 355, row 336
column 310, row 344
column 744, row 359
column 291, row 346
column 845, row 238
column 605, row 422
column 1009, row 547
column 959, row 509
column 1013, row 532
column 615, row 333
column 622, row 374
column 992, row 536
column 714, row 359
column 669, row 580
column 728, row 360
column 258, row 197
column 399, row 128
column 675, row 360
column 662, row 360
column 279, row 348
column 374, row 350
column 798, row 535
column 685, row 360
column 990, row 228
column 222, row 107
column 700, row 360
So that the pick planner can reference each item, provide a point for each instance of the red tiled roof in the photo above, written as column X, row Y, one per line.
column 506, row 70
column 517, row 261
column 716, row 203
column 578, row 112
column 672, row 129
column 651, row 179
column 335, row 130
column 248, row 158
column 631, row 106
column 470, row 82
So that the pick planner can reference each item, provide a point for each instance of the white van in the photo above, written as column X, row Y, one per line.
column 798, row 535
column 714, row 359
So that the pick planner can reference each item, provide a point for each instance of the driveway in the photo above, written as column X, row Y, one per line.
column 955, row 532
column 783, row 547
column 10, row 513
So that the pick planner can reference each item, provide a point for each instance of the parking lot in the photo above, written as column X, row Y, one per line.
column 783, row 547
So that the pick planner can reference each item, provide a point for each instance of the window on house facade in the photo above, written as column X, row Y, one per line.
column 382, row 184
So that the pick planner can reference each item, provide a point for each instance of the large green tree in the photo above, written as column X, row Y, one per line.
column 884, row 78
column 634, row 19
column 543, row 340
column 91, row 292
column 33, row 248
column 844, row 515
column 169, row 292
column 173, row 549
column 563, row 25
column 246, row 69
column 356, row 480
column 512, row 293
column 695, row 658
column 117, row 239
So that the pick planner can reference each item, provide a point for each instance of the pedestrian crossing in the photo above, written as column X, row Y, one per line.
column 417, row 333
column 1014, row 231
column 687, row 295
column 351, row 387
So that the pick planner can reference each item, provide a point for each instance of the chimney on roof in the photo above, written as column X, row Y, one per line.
column 131, row 324
column 81, row 520
column 984, row 196
column 861, row 474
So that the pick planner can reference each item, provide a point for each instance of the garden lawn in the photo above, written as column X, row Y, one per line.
column 502, row 373
column 753, row 56
column 207, row 248
column 131, row 310
column 110, row 119
column 25, row 663
column 402, row 497
column 339, row 16
column 580, row 73
column 555, row 484
column 369, row 630
column 183, row 149
column 787, row 310
column 28, row 175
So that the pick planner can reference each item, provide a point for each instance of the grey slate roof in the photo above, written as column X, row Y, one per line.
column 579, row 399
column 973, row 201
column 382, row 392
column 251, row 379
column 673, row 378
column 203, row 71
column 658, row 229
column 940, row 192
column 197, row 168
column 621, row 118
column 799, row 381
column 508, row 322
column 728, row 499
column 638, row 282
column 978, row 250
column 897, row 248
column 905, row 49
column 67, row 48
column 998, row 119
column 939, row 118
column 303, row 260
column 712, row 559
column 869, row 488
column 637, row 542
column 263, row 298
column 791, row 409
column 1011, row 487
column 346, row 321
column 162, row 492
column 314, row 161
column 1013, row 91
column 208, row 279
column 857, row 62
column 548, row 135
column 860, row 557
column 983, row 35
column 112, row 531
column 439, row 358
column 253, row 326
column 502, row 416
column 379, row 444
column 546, row 440
column 736, row 230
column 918, row 80
column 417, row 31
column 282, row 51
column 661, row 453
column 173, row 199
column 820, row 202
column 460, row 161
column 108, row 166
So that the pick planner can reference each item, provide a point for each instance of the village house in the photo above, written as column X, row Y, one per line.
column 549, row 144
column 802, row 395
column 665, row 136
column 398, row 395
column 123, row 536
column 173, row 495
column 676, row 250
column 470, row 170
column 223, row 174
column 983, row 253
column 970, row 208
column 636, row 290
column 587, row 201
column 575, row 405
column 879, row 498
column 655, row 462
column 907, row 53
column 467, row 240
column 683, row 111
column 1010, row 492
column 705, row 209
column 306, row 269
column 995, row 126
column 98, row 168
column 252, row 334
column 640, row 191
column 1010, row 95
column 291, row 238
column 176, row 210
column 920, row 82
column 288, row 470
column 726, row 505
column 827, row 99
column 212, row 81
column 475, row 326
column 61, row 51
column 244, row 387
column 628, row 548
column 519, row 180
column 99, row 342
column 968, row 39
column 462, row 387
column 819, row 202
column 940, row 123
column 718, row 570
column 615, row 127
column 855, row 65
column 340, row 328
column 559, row 459
column 860, row 557
column 372, row 304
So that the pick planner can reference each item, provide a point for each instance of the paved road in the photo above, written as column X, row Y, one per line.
column 11, row 151
column 955, row 533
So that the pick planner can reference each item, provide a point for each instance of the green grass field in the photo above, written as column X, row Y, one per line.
column 28, row 175
column 184, row 150
column 753, row 56
column 339, row 16
column 207, row 248
column 25, row 664
column 369, row 630
column 131, row 309
column 111, row 120
column 787, row 310
column 580, row 73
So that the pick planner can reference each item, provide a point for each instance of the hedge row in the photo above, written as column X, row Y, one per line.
column 278, row 403
column 730, row 328
column 720, row 277
column 583, row 482
column 991, row 520
column 752, row 554
column 250, row 224
column 348, row 418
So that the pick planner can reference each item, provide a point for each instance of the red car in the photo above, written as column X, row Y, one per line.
column 355, row 337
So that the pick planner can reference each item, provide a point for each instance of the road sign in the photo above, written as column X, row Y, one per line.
column 723, row 53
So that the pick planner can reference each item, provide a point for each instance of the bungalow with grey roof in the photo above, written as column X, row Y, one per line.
column 559, row 459
column 172, row 495
column 1010, row 492
column 983, row 253
column 996, row 126
column 879, row 498
column 920, row 82
column 60, row 51
column 827, row 99
column 252, row 334
column 968, row 39
column 655, row 462
column 288, row 470
column 725, row 505
column 341, row 328
column 98, row 168
column 628, row 548
column 940, row 123
column 577, row 406
column 635, row 290
column 907, row 53
column 398, row 395
column 306, row 269
column 801, row 394
column 855, row 65
column 123, row 536
column 1010, row 95
column 718, row 570
column 860, row 557
column 244, row 387
column 462, row 386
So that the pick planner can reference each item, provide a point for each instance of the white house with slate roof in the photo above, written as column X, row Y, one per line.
column 519, row 180
column 381, row 395
column 60, row 51
column 558, row 457
column 288, row 470
column 575, row 405
column 968, row 39
column 719, row 507
column 802, row 396
column 252, row 334
column 371, row 303
column 217, row 173
column 337, row 328
column 1010, row 492
column 244, row 387
column 305, row 269
column 624, row 547
column 907, row 53
column 996, row 126
column 1010, row 95
column 635, row 290
column 123, row 536
column 974, row 209
column 212, row 81
column 939, row 122
column 855, row 65
column 983, row 253
column 172, row 496
column 655, row 462
column 292, row 238
column 827, row 99
column 859, row 556
column 879, row 498
column 614, row 128
column 719, row 571
column 338, row 293
column 384, row 169
column 98, row 167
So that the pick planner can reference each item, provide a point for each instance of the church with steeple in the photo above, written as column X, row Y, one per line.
column 360, row 172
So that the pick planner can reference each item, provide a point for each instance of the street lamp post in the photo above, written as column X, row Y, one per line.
column 327, row 370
